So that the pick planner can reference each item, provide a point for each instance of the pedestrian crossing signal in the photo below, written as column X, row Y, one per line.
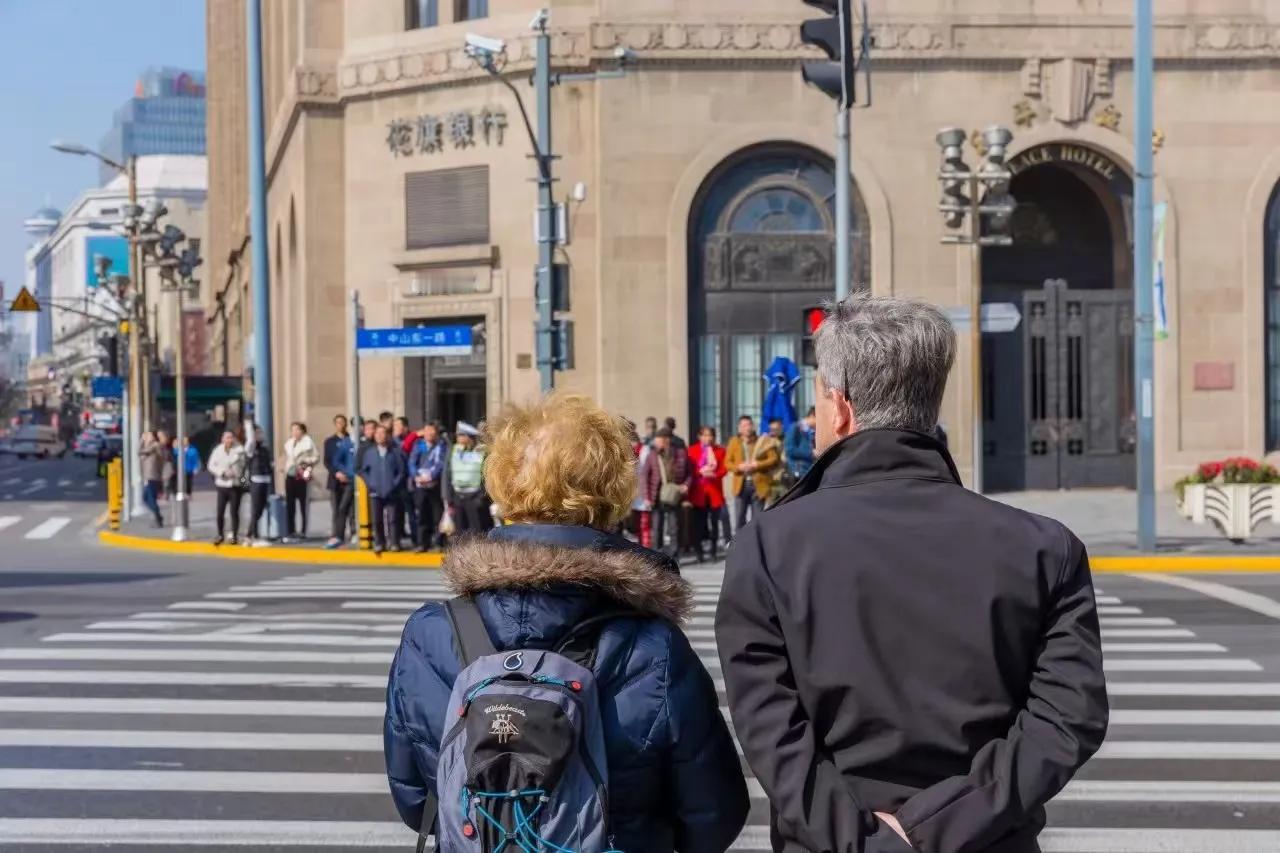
column 813, row 317
column 24, row 301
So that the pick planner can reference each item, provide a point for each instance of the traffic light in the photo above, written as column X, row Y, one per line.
column 833, row 35
column 813, row 317
column 110, row 357
column 562, row 344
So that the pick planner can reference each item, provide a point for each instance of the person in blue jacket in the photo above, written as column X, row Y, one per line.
column 563, row 471
column 799, row 445
column 383, row 472
column 426, row 475
column 190, row 457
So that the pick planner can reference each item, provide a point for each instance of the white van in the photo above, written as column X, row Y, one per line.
column 36, row 440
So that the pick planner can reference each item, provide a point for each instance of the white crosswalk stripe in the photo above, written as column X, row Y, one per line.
column 287, row 675
column 48, row 528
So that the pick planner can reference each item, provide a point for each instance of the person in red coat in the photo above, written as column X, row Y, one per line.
column 706, row 493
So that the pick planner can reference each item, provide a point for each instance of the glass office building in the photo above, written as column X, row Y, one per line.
column 165, row 116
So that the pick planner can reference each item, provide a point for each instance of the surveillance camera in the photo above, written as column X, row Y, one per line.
column 624, row 55
column 484, row 45
column 539, row 21
column 579, row 192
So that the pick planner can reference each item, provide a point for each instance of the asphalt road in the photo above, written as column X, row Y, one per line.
column 170, row 704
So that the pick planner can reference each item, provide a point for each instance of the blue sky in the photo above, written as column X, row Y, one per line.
column 65, row 67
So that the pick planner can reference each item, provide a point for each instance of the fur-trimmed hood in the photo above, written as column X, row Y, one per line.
column 537, row 558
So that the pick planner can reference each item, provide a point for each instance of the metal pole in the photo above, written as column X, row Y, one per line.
column 180, row 402
column 843, row 215
column 263, row 414
column 975, row 324
column 1143, row 284
column 546, row 213
column 353, row 369
column 127, row 451
column 133, row 432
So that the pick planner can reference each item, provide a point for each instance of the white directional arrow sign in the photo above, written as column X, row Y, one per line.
column 997, row 317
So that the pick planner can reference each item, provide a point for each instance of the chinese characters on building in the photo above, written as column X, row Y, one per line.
column 429, row 134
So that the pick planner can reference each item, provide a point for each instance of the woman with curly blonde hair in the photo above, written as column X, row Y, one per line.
column 563, row 471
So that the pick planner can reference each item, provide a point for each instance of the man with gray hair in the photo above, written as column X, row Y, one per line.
column 909, row 665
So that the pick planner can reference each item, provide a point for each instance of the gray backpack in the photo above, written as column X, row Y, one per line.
column 522, row 760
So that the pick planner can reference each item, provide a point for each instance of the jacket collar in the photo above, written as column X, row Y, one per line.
column 877, row 454
column 544, row 556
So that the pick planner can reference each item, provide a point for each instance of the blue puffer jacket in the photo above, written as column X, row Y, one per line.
column 675, row 780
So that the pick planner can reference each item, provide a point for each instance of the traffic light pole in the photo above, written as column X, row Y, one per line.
column 844, row 219
column 544, row 326
column 1143, row 278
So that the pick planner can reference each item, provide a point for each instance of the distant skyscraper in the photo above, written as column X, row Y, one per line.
column 165, row 116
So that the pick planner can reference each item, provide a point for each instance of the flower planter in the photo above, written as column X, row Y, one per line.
column 1234, row 508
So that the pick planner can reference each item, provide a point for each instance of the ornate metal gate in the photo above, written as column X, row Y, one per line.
column 1078, row 387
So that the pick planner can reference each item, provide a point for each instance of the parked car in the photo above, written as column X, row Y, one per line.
column 88, row 443
column 37, row 440
column 112, row 446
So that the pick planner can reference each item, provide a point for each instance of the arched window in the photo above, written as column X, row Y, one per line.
column 1271, row 311
column 762, row 248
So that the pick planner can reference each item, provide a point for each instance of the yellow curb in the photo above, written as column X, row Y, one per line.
column 274, row 554
column 1164, row 563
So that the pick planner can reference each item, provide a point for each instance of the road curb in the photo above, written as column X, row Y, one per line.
column 274, row 554
column 1173, row 563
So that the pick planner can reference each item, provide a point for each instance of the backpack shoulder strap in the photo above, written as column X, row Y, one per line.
column 469, row 633
column 579, row 644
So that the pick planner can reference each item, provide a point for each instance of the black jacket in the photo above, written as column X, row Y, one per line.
column 893, row 642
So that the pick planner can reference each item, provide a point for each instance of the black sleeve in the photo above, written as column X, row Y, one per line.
column 1060, row 728
column 814, row 808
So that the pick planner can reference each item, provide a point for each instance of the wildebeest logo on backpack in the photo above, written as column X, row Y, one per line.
column 503, row 729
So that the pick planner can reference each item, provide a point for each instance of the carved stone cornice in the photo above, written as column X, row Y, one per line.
column 1007, row 38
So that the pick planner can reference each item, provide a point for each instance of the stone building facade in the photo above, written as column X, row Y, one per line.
column 399, row 169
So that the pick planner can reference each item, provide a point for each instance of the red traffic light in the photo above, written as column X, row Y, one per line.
column 813, row 318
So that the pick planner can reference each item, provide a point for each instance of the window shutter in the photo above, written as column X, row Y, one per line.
column 447, row 207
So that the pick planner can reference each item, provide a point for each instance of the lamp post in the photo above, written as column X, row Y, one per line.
column 134, row 411
column 976, row 207
column 553, row 336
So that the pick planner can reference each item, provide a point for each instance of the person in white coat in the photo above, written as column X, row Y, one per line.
column 300, row 460
column 227, row 465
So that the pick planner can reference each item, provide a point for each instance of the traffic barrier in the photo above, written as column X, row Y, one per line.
column 364, row 525
column 115, row 492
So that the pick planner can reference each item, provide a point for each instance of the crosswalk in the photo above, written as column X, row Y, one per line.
column 40, row 526
column 251, row 718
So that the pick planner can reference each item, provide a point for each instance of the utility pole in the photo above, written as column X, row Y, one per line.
column 181, row 523
column 133, row 435
column 544, row 328
column 353, row 368
column 1143, row 280
column 264, row 414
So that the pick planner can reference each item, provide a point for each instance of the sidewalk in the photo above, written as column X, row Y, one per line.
column 1105, row 520
column 141, row 533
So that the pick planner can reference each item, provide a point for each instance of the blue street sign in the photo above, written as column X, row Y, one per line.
column 410, row 342
column 108, row 387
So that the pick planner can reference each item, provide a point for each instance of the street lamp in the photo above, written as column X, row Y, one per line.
column 176, row 271
column 976, row 207
column 553, row 336
column 135, row 411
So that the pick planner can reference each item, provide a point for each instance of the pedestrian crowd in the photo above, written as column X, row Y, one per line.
column 422, row 488
column 693, row 499
column 908, row 665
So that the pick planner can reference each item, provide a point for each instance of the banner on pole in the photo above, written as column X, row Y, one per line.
column 1162, row 316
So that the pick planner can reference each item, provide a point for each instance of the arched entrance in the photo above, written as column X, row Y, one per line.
column 761, row 248
column 1058, row 392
